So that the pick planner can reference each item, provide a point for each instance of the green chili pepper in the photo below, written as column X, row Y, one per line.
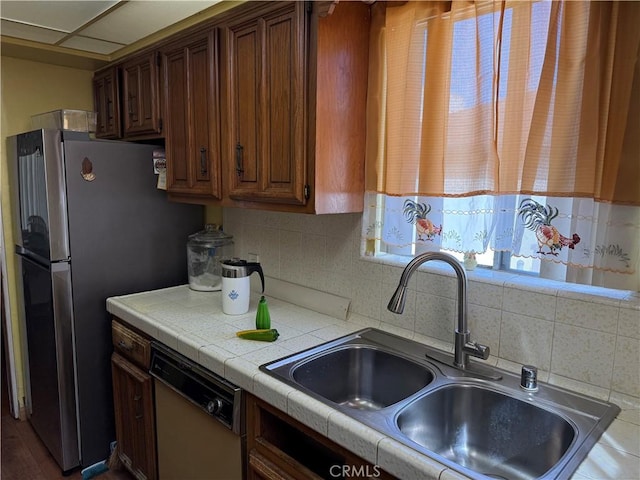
column 261, row 334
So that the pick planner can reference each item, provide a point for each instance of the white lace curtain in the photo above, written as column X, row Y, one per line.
column 512, row 126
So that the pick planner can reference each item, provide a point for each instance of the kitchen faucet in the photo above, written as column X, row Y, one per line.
column 462, row 343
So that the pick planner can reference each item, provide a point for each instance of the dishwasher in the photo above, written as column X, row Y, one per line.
column 200, row 429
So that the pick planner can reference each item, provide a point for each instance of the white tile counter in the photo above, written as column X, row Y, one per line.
column 193, row 324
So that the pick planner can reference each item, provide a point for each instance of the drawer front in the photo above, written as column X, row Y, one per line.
column 131, row 345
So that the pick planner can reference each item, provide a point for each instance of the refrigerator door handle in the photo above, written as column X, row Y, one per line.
column 64, row 325
column 34, row 257
column 57, row 196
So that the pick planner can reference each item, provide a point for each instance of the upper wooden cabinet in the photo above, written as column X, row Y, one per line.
column 190, row 102
column 126, row 99
column 107, row 103
column 264, row 110
column 140, row 105
column 273, row 118
column 294, row 86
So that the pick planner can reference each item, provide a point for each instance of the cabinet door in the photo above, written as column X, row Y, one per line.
column 245, row 86
column 265, row 150
column 135, row 427
column 281, row 448
column 140, row 96
column 191, row 112
column 107, row 103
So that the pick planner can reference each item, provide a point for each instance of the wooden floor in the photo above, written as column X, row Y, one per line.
column 24, row 457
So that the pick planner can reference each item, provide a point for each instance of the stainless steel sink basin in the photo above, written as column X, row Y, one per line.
column 487, row 432
column 361, row 376
column 483, row 426
column 354, row 373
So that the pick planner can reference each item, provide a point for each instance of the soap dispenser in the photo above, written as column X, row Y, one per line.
column 236, row 287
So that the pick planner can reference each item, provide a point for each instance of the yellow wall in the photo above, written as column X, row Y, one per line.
column 28, row 88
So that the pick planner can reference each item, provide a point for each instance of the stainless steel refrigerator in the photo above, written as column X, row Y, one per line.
column 89, row 224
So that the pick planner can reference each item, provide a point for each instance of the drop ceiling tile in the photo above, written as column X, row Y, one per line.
column 28, row 32
column 91, row 45
column 66, row 16
column 136, row 20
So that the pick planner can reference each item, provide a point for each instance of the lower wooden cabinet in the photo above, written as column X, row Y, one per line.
column 281, row 448
column 260, row 468
column 133, row 404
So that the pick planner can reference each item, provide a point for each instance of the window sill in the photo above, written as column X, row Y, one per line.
column 607, row 296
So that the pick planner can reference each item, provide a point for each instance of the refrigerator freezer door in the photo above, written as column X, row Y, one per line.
column 40, row 195
column 51, row 402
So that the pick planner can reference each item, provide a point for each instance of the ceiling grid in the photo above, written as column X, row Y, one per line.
column 91, row 27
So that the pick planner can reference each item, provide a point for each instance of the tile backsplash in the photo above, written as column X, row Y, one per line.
column 583, row 338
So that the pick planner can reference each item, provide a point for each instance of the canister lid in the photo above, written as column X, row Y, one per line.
column 211, row 236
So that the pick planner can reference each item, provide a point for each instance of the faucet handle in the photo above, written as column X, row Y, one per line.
column 477, row 350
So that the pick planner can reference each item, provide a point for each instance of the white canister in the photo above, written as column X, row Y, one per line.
column 236, row 285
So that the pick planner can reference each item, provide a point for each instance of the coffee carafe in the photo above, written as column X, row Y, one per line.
column 236, row 285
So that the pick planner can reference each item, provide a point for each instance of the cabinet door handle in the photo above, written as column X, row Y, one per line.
column 138, row 408
column 133, row 107
column 239, row 158
column 203, row 160
column 122, row 344
column 109, row 109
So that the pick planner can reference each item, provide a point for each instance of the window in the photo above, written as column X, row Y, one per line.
column 494, row 134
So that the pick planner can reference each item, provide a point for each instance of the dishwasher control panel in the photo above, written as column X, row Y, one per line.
column 213, row 394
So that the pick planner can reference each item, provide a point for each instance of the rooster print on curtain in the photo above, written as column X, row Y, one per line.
column 416, row 213
column 538, row 218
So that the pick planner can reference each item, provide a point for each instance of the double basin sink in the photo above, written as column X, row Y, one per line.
column 480, row 427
